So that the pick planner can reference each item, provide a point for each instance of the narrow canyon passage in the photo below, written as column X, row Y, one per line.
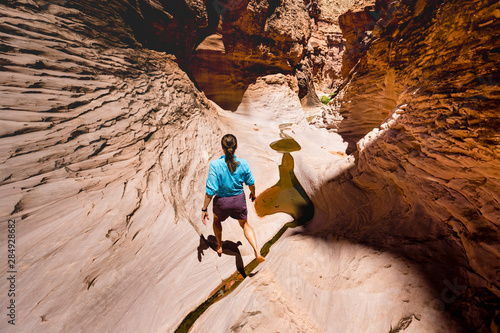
column 313, row 278
column 382, row 115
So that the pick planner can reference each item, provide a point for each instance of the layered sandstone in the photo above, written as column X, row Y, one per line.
column 99, row 173
column 106, row 141
column 253, row 38
column 428, row 171
column 266, row 33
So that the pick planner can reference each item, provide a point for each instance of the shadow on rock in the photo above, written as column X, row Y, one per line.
column 385, row 214
column 228, row 248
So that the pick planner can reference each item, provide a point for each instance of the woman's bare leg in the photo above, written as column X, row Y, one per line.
column 250, row 236
column 218, row 233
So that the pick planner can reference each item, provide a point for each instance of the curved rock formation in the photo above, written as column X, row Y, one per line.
column 429, row 172
column 106, row 141
column 96, row 173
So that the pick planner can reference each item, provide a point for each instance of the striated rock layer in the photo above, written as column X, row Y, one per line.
column 426, row 183
column 105, row 147
column 104, row 152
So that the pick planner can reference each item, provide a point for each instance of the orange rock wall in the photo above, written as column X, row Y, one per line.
column 426, row 182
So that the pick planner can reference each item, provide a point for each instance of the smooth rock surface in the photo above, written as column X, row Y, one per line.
column 329, row 285
column 100, row 172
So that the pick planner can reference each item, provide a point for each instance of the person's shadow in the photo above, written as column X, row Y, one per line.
column 228, row 247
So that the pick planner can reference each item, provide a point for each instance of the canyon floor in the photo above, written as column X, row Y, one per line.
column 310, row 283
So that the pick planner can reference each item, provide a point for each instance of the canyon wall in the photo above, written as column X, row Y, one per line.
column 421, row 115
column 253, row 38
column 105, row 148
column 106, row 134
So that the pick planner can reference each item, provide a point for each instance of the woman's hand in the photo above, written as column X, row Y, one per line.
column 204, row 217
column 204, row 213
column 252, row 192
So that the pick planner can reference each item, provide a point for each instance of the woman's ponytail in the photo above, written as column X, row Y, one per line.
column 229, row 145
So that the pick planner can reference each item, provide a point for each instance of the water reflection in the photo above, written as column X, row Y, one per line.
column 287, row 195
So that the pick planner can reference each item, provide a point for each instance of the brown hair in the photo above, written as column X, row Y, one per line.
column 229, row 145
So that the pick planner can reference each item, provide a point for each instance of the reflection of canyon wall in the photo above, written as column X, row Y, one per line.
column 426, row 184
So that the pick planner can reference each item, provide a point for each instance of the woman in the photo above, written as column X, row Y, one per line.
column 226, row 177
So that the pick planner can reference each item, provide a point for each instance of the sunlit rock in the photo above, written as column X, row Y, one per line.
column 106, row 133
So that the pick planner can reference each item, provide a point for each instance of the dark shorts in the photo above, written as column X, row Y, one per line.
column 236, row 207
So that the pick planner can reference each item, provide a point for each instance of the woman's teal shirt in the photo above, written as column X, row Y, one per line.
column 224, row 183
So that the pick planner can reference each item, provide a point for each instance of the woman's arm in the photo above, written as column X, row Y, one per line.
column 204, row 213
column 252, row 192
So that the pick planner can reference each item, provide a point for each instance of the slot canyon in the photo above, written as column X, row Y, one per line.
column 371, row 128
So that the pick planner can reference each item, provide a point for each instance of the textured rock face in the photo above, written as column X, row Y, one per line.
column 171, row 26
column 430, row 172
column 357, row 25
column 266, row 33
column 327, row 43
column 324, row 56
column 254, row 38
column 105, row 148
column 332, row 9
column 93, row 138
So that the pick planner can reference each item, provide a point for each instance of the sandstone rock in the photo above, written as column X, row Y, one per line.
column 427, row 169
column 327, row 285
column 356, row 26
column 326, row 45
column 216, row 75
column 326, row 50
column 254, row 39
column 266, row 34
column 103, row 169
column 331, row 10
column 97, row 173
column 171, row 26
